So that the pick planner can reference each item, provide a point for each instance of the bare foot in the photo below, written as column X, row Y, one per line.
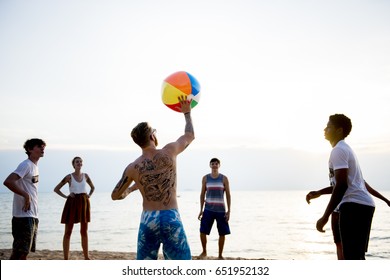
column 203, row 256
column 220, row 258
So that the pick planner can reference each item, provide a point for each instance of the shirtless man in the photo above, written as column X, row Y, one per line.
column 154, row 174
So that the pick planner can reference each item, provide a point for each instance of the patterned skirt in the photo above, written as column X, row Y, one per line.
column 77, row 209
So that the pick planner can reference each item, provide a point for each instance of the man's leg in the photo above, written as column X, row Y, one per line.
column 221, row 244
column 203, row 240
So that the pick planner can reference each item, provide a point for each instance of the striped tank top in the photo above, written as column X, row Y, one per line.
column 214, row 194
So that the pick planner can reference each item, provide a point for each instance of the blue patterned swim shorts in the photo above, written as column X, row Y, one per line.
column 162, row 227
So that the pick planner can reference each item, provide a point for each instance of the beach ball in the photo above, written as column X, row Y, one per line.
column 177, row 84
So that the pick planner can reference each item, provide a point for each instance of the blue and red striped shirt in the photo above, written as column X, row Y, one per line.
column 214, row 194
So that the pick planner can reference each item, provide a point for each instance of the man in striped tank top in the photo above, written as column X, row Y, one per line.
column 214, row 186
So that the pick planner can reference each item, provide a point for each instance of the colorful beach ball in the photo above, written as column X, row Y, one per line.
column 177, row 84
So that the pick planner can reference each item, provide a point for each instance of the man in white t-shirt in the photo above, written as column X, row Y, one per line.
column 350, row 195
column 23, row 182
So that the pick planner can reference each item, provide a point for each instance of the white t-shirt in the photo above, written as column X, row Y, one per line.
column 29, row 177
column 342, row 157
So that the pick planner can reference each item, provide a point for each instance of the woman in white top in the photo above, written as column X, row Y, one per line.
column 77, row 207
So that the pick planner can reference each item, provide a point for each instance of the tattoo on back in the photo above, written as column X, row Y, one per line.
column 157, row 176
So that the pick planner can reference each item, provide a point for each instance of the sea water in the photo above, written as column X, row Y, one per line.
column 264, row 224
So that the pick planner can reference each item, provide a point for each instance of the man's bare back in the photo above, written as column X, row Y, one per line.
column 156, row 180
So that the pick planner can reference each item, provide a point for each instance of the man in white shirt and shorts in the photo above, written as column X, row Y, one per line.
column 23, row 182
column 350, row 195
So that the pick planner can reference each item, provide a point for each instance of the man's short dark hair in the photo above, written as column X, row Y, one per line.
column 340, row 120
column 31, row 143
column 141, row 133
column 215, row 160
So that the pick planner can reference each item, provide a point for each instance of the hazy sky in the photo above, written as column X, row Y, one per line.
column 82, row 74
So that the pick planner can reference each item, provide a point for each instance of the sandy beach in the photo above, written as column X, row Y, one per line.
column 95, row 255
